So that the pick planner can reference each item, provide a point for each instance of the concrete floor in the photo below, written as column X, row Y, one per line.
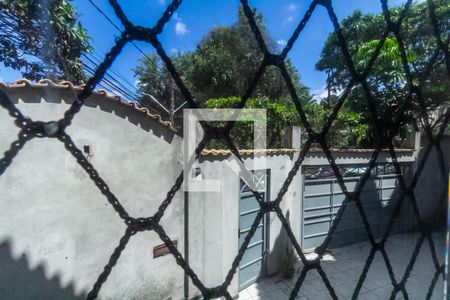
column 343, row 267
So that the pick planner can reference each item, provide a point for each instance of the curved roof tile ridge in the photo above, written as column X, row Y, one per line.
column 278, row 151
column 247, row 152
column 67, row 85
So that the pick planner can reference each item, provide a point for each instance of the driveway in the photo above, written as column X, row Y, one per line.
column 344, row 267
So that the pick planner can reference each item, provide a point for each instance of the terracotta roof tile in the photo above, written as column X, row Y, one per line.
column 67, row 85
column 286, row 151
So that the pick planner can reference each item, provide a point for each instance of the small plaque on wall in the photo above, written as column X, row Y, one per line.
column 162, row 250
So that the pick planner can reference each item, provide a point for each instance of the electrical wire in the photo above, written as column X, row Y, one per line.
column 134, row 44
column 112, row 81
column 115, row 26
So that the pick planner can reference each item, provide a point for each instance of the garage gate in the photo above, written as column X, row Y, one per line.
column 251, row 266
column 322, row 199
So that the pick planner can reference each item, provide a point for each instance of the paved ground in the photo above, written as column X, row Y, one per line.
column 344, row 267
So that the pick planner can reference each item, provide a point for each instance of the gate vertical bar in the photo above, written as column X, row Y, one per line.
column 447, row 244
column 186, row 242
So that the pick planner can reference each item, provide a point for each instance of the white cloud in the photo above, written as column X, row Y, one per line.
column 281, row 42
column 174, row 50
column 319, row 93
column 162, row 2
column 292, row 7
column 288, row 19
column 181, row 28
column 290, row 13
column 323, row 93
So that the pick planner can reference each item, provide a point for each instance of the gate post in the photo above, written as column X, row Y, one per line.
column 293, row 137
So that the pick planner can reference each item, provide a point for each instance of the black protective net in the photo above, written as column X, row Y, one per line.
column 30, row 129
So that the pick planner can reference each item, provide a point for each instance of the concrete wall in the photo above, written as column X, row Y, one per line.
column 431, row 188
column 57, row 230
column 214, row 219
column 214, row 216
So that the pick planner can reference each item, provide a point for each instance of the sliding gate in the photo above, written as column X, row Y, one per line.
column 322, row 199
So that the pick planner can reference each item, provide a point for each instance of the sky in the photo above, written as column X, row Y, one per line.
column 194, row 18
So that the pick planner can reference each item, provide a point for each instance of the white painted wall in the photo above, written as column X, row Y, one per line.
column 57, row 230
column 214, row 219
column 54, row 218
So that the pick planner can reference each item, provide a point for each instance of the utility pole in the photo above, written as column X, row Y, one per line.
column 172, row 101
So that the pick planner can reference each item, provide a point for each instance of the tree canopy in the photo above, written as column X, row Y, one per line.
column 219, row 71
column 387, row 78
column 280, row 114
column 42, row 39
column 222, row 65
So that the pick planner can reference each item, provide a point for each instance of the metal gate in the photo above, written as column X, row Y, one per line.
column 322, row 199
column 252, row 264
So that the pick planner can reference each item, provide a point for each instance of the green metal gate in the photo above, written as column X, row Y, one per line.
column 252, row 264
column 322, row 198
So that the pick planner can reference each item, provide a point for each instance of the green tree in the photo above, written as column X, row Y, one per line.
column 226, row 60
column 42, row 39
column 219, row 71
column 222, row 65
column 388, row 73
column 156, row 80
column 280, row 115
column 387, row 77
column 347, row 131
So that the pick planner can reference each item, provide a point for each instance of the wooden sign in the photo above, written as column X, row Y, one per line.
column 162, row 250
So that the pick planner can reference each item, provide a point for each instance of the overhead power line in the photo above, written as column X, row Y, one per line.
column 97, row 57
column 113, row 83
column 111, row 80
column 115, row 26
column 109, row 83
column 139, row 49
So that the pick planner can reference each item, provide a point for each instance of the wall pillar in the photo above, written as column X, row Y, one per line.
column 293, row 137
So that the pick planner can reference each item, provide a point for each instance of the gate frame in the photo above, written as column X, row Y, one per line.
column 266, row 231
column 349, row 157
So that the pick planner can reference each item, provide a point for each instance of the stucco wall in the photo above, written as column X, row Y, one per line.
column 431, row 188
column 214, row 219
column 57, row 229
